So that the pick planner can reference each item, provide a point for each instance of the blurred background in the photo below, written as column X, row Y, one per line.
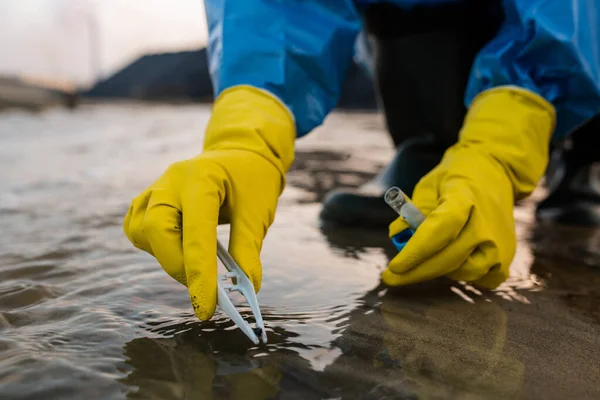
column 65, row 51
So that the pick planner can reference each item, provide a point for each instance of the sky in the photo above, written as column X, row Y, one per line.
column 52, row 40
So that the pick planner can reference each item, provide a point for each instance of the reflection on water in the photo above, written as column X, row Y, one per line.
column 84, row 314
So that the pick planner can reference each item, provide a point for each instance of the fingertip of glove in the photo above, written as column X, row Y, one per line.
column 255, row 276
column 203, row 314
column 492, row 280
column 391, row 279
column 247, row 255
column 204, row 306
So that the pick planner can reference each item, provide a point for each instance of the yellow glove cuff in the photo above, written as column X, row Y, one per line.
column 514, row 126
column 247, row 118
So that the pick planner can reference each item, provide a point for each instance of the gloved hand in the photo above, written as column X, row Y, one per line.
column 237, row 179
column 469, row 232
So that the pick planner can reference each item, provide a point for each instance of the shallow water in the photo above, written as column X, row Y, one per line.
column 85, row 315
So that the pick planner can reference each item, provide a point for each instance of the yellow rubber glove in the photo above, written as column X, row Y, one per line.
column 469, row 232
column 237, row 179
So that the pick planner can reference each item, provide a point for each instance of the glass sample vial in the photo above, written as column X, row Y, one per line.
column 396, row 199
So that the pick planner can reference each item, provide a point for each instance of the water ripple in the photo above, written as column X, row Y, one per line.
column 85, row 315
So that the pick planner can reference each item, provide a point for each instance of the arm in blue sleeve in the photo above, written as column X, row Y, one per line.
column 551, row 47
column 297, row 50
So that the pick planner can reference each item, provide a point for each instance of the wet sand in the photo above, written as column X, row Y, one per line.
column 85, row 315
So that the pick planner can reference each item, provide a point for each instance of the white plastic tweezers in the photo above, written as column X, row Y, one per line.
column 245, row 287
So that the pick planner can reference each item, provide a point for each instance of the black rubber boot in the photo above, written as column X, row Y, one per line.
column 573, row 180
column 423, row 58
column 365, row 206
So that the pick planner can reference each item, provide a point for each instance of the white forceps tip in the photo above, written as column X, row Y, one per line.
column 245, row 287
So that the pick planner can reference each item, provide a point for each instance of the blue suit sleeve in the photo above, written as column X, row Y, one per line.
column 297, row 50
column 551, row 47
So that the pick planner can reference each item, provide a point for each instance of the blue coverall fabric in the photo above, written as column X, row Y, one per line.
column 300, row 51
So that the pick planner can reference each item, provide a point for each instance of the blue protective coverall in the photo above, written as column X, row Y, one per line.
column 299, row 50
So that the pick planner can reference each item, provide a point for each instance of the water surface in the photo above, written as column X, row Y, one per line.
column 85, row 315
